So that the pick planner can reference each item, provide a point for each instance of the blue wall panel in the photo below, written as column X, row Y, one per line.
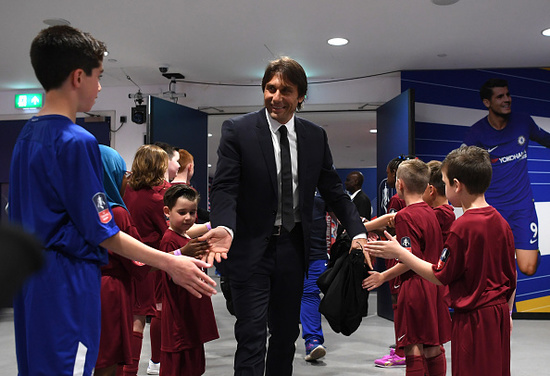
column 186, row 128
column 537, row 286
column 435, row 141
column 530, row 90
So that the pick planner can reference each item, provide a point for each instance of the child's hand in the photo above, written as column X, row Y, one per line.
column 385, row 249
column 194, row 248
column 373, row 281
column 186, row 273
column 372, row 236
column 391, row 220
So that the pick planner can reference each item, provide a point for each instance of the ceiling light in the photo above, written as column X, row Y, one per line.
column 546, row 32
column 373, row 130
column 444, row 2
column 338, row 41
column 56, row 21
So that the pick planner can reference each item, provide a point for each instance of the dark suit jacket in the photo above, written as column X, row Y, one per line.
column 362, row 202
column 244, row 195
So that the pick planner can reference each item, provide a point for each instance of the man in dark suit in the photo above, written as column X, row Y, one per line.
column 354, row 183
column 269, row 251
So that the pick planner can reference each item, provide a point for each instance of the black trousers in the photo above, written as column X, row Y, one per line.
column 270, row 301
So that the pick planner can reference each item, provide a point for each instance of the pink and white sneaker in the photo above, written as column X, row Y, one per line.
column 390, row 361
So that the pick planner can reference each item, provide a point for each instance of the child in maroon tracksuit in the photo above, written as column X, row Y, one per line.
column 422, row 322
column 187, row 322
column 478, row 265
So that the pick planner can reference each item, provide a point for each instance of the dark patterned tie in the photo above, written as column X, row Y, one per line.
column 287, row 202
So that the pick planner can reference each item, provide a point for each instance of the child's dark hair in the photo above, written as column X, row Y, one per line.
column 59, row 50
column 435, row 177
column 394, row 163
column 470, row 165
column 180, row 190
column 486, row 90
column 169, row 149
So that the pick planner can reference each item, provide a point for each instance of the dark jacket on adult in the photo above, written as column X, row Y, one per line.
column 244, row 195
column 362, row 202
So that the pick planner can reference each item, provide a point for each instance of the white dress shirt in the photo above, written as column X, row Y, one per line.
column 352, row 195
column 293, row 143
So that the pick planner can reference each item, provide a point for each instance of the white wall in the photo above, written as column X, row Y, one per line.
column 370, row 90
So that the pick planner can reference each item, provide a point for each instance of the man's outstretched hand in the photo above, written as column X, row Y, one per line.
column 219, row 241
column 361, row 244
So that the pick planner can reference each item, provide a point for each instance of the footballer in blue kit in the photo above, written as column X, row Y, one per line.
column 56, row 193
column 505, row 135
column 62, row 158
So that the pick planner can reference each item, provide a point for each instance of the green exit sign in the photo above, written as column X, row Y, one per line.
column 28, row 100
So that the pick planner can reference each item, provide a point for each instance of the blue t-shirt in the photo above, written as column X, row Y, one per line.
column 56, row 188
column 510, row 186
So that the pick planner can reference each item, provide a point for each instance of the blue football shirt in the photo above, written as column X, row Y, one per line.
column 510, row 186
column 56, row 188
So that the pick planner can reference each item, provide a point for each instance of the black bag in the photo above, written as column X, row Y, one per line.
column 345, row 302
column 340, row 247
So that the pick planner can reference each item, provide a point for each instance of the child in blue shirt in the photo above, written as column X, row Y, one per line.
column 56, row 193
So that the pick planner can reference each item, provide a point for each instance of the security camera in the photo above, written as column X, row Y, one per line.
column 163, row 68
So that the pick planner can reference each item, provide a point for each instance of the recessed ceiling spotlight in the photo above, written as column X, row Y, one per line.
column 338, row 41
column 441, row 55
column 444, row 2
column 546, row 32
column 374, row 130
column 56, row 21
column 112, row 61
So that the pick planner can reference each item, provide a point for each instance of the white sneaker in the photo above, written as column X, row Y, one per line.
column 153, row 368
